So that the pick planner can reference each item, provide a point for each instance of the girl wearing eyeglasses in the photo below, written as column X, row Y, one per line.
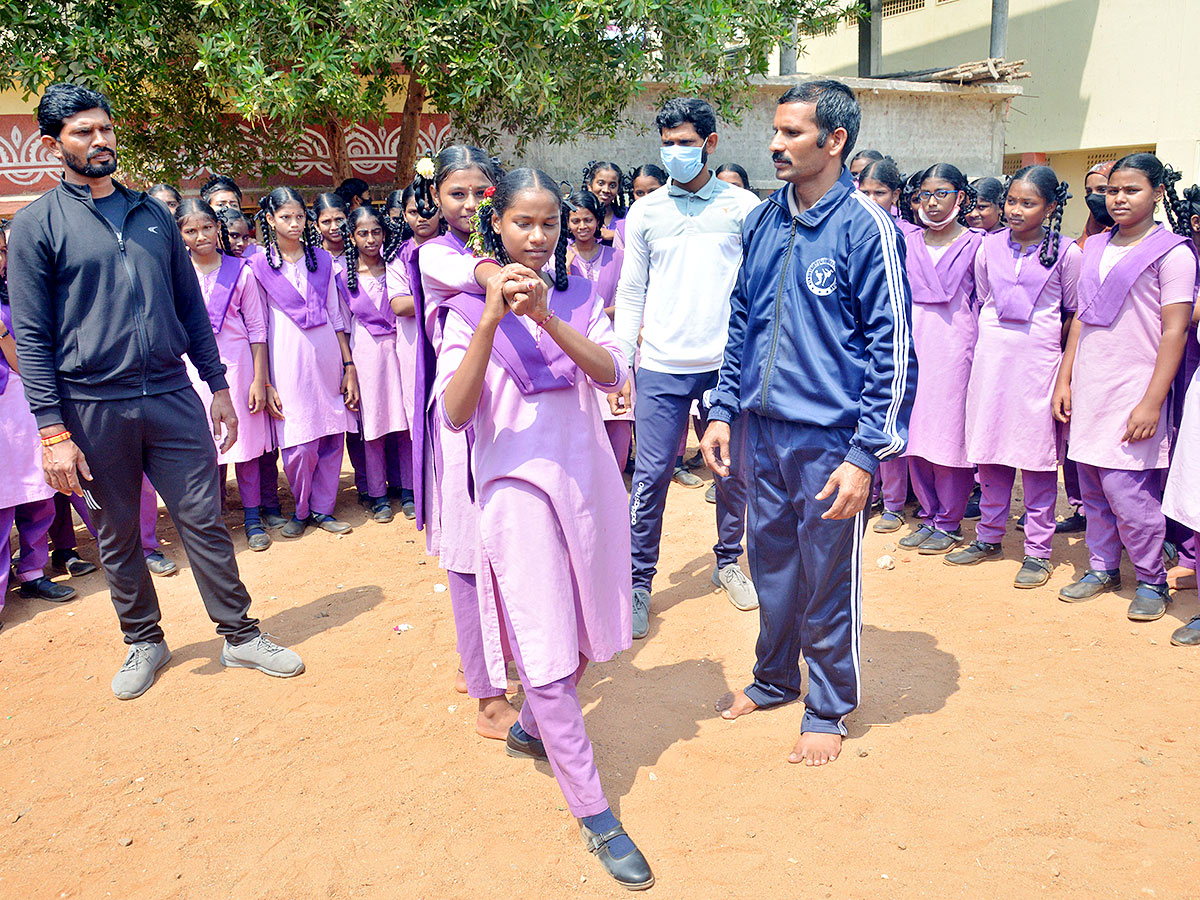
column 941, row 273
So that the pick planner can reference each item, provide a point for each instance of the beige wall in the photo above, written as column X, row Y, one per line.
column 1106, row 73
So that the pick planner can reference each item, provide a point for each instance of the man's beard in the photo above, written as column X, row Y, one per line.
column 88, row 169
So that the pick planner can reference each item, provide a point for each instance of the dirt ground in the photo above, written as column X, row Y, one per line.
column 1008, row 745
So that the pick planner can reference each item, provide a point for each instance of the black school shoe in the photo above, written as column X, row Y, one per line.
column 630, row 871
column 71, row 562
column 45, row 589
column 972, row 511
column 520, row 748
column 1072, row 524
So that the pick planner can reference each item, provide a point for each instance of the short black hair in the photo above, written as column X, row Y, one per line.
column 837, row 107
column 681, row 110
column 351, row 188
column 63, row 100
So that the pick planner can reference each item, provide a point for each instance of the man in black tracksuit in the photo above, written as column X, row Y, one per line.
column 105, row 304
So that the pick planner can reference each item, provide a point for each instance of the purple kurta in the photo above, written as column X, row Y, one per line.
column 1181, row 500
column 244, row 323
column 381, row 409
column 1114, row 364
column 1015, row 365
column 604, row 270
column 406, row 328
column 944, row 330
column 554, row 528
column 306, row 363
column 20, row 443
column 448, row 268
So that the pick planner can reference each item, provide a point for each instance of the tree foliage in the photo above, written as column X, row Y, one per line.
column 227, row 83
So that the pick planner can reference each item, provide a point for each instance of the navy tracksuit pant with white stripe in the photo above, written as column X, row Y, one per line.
column 808, row 571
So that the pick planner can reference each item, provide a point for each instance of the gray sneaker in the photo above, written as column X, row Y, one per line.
column 739, row 588
column 141, row 665
column 641, row 613
column 264, row 655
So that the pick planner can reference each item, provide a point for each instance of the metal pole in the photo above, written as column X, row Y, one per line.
column 999, row 43
column 787, row 54
column 870, row 40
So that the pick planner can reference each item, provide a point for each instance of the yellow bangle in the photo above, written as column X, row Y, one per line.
column 56, row 439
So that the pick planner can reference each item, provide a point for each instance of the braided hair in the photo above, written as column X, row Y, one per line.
column 912, row 186
column 219, row 183
column 1043, row 180
column 516, row 182
column 195, row 207
column 885, row 172
column 950, row 173
column 4, row 223
column 455, row 158
column 1185, row 208
column 594, row 168
column 269, row 205
column 228, row 216
column 1179, row 224
column 399, row 200
column 327, row 201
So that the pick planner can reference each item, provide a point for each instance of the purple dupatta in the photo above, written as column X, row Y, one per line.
column 379, row 321
column 308, row 311
column 222, row 295
column 1016, row 294
column 1101, row 300
column 937, row 284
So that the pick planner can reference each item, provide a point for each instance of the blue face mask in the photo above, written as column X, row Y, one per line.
column 682, row 163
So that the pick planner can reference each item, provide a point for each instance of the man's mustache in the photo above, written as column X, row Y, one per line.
column 780, row 157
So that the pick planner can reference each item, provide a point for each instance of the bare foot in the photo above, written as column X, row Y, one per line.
column 496, row 716
column 460, row 682
column 816, row 748
column 1181, row 578
column 735, row 704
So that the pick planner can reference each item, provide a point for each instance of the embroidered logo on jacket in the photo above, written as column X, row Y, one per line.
column 821, row 277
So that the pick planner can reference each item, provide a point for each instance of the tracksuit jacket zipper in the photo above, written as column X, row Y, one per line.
column 139, row 318
column 778, row 314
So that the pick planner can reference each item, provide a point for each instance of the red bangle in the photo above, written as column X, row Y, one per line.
column 56, row 439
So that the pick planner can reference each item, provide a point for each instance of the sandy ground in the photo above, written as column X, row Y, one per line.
column 1008, row 745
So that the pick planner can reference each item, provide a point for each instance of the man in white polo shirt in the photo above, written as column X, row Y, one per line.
column 683, row 248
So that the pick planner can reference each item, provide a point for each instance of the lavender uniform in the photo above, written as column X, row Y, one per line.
column 944, row 330
column 303, row 319
column 238, row 313
column 1181, row 499
column 1122, row 291
column 26, row 500
column 441, row 268
column 381, row 410
column 553, row 529
column 604, row 270
column 1009, row 422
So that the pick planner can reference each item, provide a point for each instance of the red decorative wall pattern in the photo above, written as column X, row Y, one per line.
column 27, row 170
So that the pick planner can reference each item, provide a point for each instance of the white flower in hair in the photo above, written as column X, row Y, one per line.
column 425, row 167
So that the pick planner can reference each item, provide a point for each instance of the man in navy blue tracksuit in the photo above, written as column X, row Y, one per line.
column 820, row 361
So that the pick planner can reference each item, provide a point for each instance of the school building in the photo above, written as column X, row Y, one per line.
column 1108, row 76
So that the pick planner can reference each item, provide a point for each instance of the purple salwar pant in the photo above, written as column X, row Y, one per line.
column 1041, row 494
column 942, row 490
column 464, row 602
column 33, row 521
column 148, row 517
column 893, row 478
column 1124, row 508
column 1070, row 470
column 62, row 531
column 552, row 713
column 312, row 471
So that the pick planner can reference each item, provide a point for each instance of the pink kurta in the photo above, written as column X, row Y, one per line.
column 1113, row 366
column 1014, row 369
column 306, row 366
column 245, row 324
column 448, row 268
column 382, row 407
column 20, row 449
column 554, row 524
column 406, row 333
column 1181, row 499
column 944, row 337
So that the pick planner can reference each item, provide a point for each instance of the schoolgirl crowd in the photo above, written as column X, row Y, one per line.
column 486, row 299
